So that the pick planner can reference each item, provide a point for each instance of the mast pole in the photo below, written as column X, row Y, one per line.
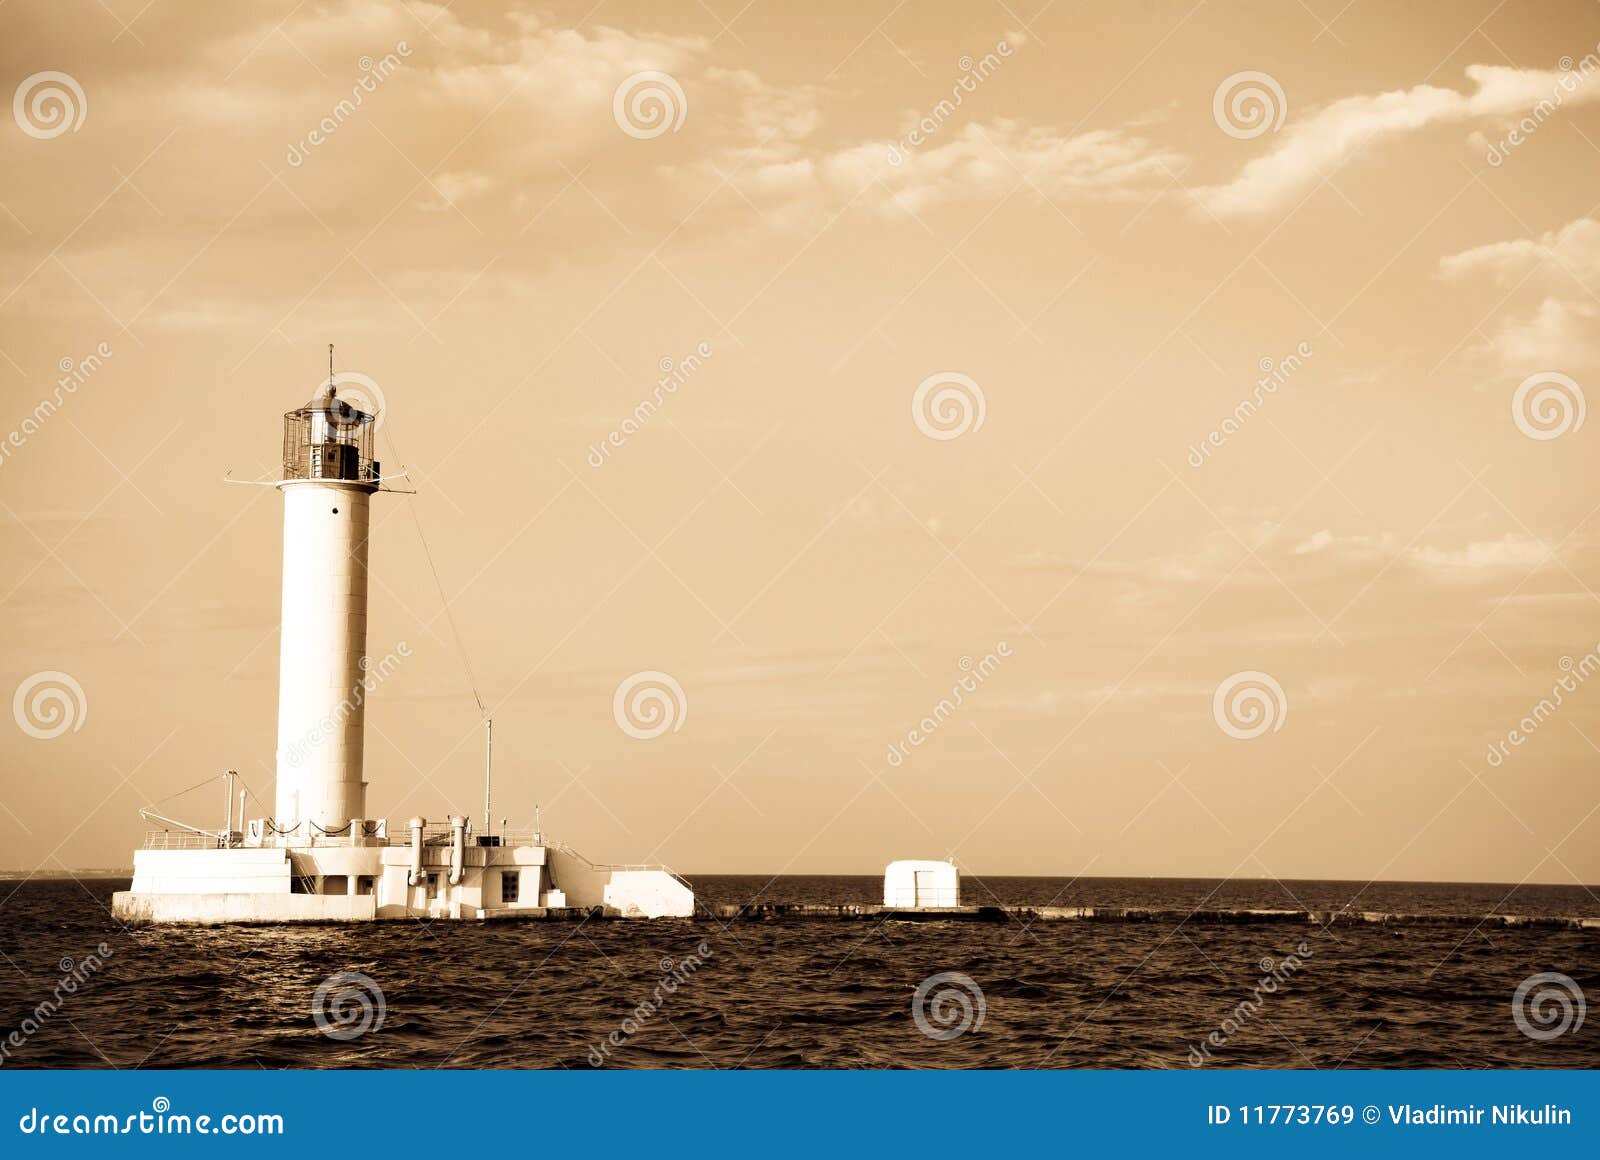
column 488, row 772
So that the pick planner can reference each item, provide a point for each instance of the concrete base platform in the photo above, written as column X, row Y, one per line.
column 770, row 911
column 134, row 908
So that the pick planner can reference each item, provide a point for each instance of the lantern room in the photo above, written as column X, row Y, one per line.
column 329, row 438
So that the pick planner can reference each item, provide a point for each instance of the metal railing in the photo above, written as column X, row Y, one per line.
column 183, row 840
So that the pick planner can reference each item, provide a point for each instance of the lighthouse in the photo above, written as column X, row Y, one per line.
column 329, row 477
column 320, row 857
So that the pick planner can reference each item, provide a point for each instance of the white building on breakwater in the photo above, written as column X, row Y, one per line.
column 321, row 857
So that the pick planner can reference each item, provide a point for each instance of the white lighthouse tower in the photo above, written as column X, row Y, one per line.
column 319, row 858
column 329, row 476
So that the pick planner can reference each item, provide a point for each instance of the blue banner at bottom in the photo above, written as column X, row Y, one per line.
column 783, row 1113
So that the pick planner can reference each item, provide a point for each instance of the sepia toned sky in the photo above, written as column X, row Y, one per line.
column 1195, row 347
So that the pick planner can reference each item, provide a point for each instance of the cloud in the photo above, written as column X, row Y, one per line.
column 1316, row 144
column 977, row 162
column 1573, row 249
column 1467, row 562
column 1560, row 332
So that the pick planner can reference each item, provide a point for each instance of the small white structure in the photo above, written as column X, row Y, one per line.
column 920, row 885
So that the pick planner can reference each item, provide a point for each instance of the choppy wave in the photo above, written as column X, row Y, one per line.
column 811, row 993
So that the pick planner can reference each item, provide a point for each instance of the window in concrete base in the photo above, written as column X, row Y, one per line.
column 336, row 884
column 300, row 884
column 510, row 885
column 364, row 883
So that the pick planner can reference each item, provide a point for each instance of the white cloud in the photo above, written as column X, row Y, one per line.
column 1316, row 144
column 1574, row 249
column 1512, row 550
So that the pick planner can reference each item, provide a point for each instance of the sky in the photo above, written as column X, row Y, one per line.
column 1074, row 440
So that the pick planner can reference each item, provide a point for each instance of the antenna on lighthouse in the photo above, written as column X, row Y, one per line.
column 330, row 364
column 488, row 772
